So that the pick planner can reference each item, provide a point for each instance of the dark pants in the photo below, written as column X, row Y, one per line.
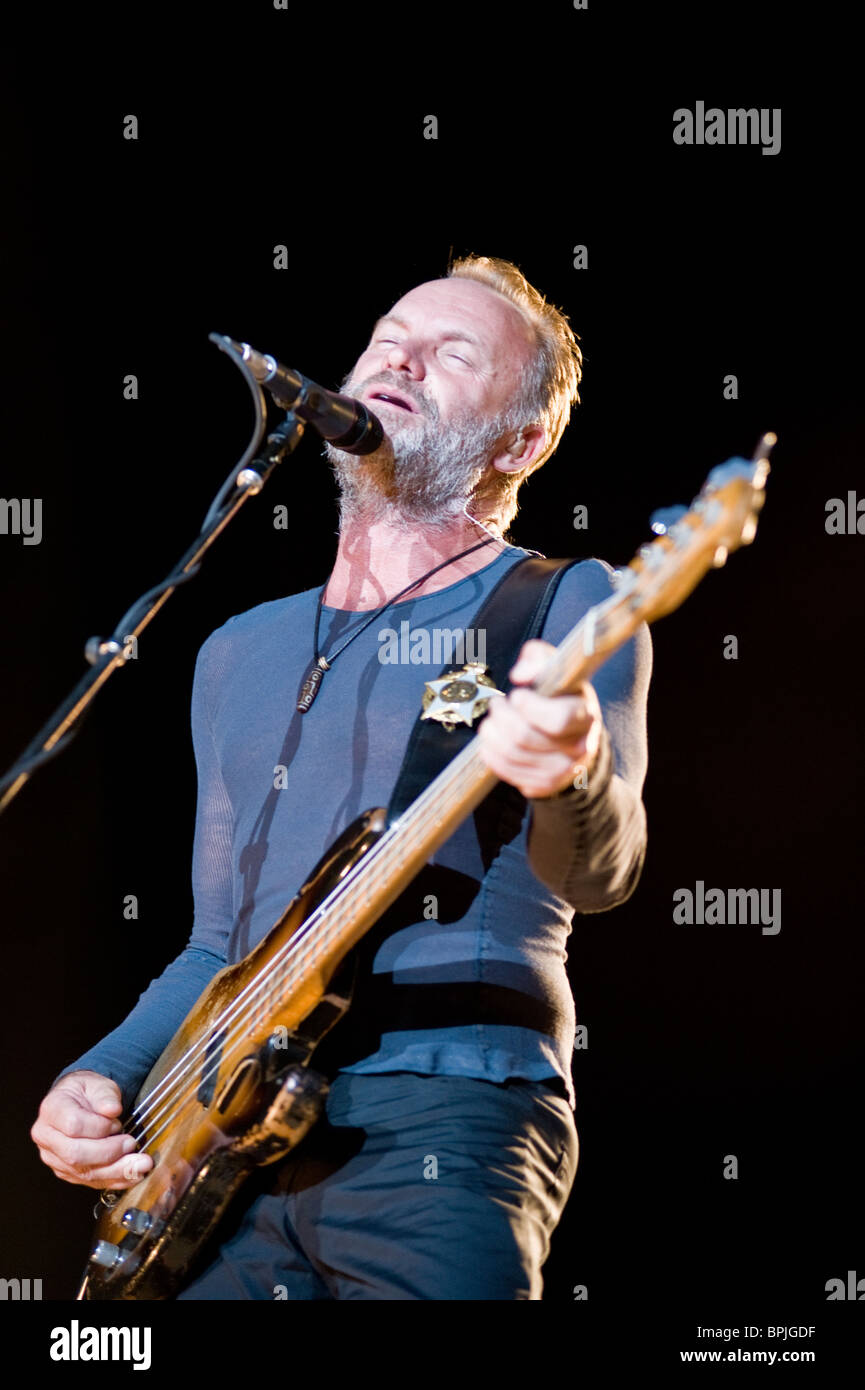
column 433, row 1187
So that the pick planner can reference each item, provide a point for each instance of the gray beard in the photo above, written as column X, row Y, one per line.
column 422, row 472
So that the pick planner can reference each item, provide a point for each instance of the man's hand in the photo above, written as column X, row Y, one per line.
column 78, row 1134
column 536, row 743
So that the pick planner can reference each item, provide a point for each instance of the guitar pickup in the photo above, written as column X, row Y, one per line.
column 210, row 1067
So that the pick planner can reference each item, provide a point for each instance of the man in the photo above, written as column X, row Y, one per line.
column 449, row 1147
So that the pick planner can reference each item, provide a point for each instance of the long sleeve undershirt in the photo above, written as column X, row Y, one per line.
column 501, row 929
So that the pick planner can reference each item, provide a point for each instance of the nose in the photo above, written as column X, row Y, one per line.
column 405, row 357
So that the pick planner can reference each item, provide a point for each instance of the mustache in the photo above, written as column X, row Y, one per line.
column 425, row 406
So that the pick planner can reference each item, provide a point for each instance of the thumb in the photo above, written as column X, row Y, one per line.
column 102, row 1095
column 532, row 659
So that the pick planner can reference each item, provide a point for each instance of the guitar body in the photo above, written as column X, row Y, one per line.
column 232, row 1091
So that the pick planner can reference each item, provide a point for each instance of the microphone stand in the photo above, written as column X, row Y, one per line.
column 106, row 656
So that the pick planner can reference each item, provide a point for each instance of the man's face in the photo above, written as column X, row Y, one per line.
column 453, row 344
column 441, row 369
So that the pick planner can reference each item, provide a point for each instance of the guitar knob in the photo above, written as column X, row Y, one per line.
column 106, row 1254
column 136, row 1220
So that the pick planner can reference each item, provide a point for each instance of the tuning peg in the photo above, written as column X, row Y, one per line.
column 665, row 517
column 106, row 1254
column 623, row 578
column 136, row 1220
column 765, row 446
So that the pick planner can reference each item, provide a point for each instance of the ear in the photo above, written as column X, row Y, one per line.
column 532, row 438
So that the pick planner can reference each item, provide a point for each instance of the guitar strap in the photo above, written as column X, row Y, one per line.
column 514, row 611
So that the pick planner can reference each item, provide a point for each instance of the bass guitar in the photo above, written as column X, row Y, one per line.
column 234, row 1089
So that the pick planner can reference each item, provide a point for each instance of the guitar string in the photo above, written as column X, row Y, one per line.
column 285, row 966
column 458, row 768
column 432, row 793
column 297, row 953
column 275, row 973
column 185, row 1057
column 242, row 1006
column 311, row 946
column 376, row 858
column 366, row 863
column 299, row 945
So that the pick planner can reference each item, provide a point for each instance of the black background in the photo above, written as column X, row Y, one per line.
column 120, row 257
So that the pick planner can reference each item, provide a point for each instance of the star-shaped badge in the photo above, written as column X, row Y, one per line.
column 460, row 697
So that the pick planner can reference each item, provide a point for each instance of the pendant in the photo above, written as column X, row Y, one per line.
column 309, row 689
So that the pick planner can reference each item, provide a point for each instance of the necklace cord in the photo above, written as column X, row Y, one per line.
column 317, row 656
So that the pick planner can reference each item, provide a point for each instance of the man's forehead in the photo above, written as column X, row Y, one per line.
column 463, row 303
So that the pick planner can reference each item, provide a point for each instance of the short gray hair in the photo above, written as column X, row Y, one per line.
column 551, row 385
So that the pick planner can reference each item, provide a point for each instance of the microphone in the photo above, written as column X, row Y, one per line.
column 340, row 419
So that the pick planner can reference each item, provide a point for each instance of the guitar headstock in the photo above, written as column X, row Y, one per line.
column 693, row 540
